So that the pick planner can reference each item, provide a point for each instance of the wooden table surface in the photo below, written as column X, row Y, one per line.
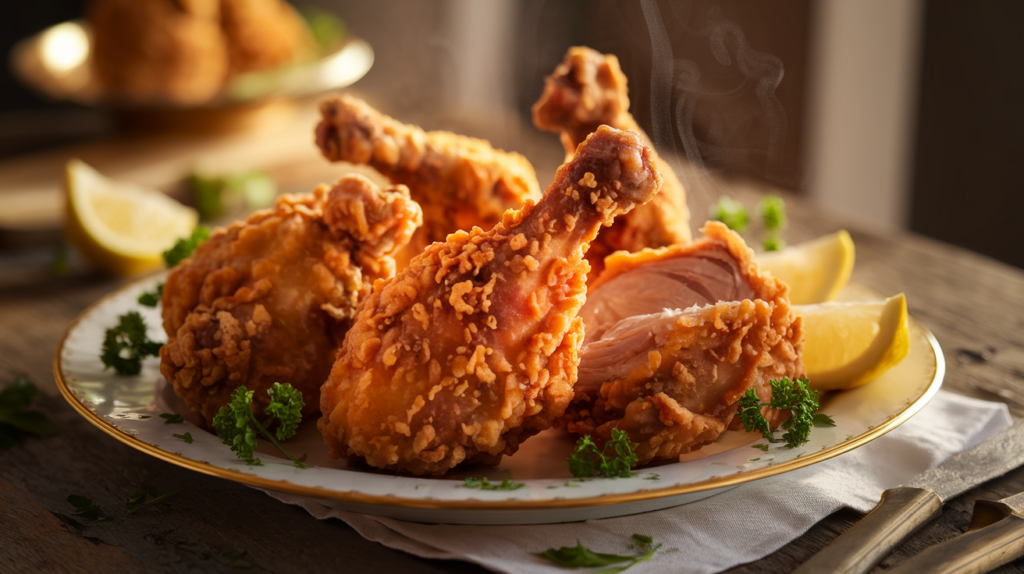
column 972, row 304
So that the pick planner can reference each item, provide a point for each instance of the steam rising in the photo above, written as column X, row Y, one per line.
column 716, row 121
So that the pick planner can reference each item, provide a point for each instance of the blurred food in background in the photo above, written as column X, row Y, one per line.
column 218, row 195
column 166, row 55
column 183, row 51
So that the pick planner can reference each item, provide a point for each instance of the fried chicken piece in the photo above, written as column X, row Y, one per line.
column 270, row 299
column 587, row 90
column 159, row 50
column 460, row 182
column 473, row 348
column 702, row 327
column 263, row 34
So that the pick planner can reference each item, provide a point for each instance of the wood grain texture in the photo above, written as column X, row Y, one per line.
column 970, row 302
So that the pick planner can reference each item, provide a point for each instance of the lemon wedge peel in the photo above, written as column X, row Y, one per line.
column 889, row 346
column 121, row 228
column 816, row 271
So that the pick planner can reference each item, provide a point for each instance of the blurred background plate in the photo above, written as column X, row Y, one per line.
column 58, row 63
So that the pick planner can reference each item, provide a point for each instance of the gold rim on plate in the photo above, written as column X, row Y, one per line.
column 915, row 405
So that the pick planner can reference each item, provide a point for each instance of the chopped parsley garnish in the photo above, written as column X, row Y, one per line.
column 172, row 418
column 237, row 426
column 588, row 461
column 794, row 396
column 125, row 345
column 755, row 459
column 15, row 418
column 730, row 212
column 187, row 437
column 86, row 508
column 183, row 248
column 580, row 556
column 484, row 484
column 151, row 298
column 762, row 447
column 137, row 499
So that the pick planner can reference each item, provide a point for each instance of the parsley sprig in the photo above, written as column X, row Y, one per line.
column 125, row 345
column 237, row 426
column 580, row 556
column 794, row 396
column 587, row 460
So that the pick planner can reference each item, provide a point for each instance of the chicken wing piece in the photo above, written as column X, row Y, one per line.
column 700, row 325
column 473, row 348
column 586, row 90
column 270, row 299
column 460, row 182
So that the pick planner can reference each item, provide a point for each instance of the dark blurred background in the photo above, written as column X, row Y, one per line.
column 897, row 114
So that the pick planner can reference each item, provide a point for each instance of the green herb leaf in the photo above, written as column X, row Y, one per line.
column 32, row 422
column 761, row 447
column 136, row 496
column 15, row 420
column 580, row 556
column 172, row 418
column 86, row 508
column 730, row 212
column 187, row 437
column 794, row 396
column 484, row 484
column 755, row 459
column 151, row 298
column 18, row 395
column 183, row 248
column 125, row 345
column 823, row 421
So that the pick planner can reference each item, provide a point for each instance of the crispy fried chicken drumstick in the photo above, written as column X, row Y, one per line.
column 473, row 348
column 675, row 337
column 587, row 90
column 269, row 299
column 459, row 181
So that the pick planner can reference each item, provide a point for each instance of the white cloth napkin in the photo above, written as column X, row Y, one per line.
column 737, row 526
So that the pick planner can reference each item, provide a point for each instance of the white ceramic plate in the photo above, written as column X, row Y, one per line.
column 128, row 409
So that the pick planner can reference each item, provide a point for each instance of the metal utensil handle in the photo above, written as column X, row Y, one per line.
column 901, row 511
column 972, row 553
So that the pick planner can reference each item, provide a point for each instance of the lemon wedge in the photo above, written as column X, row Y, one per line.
column 119, row 227
column 850, row 344
column 815, row 270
